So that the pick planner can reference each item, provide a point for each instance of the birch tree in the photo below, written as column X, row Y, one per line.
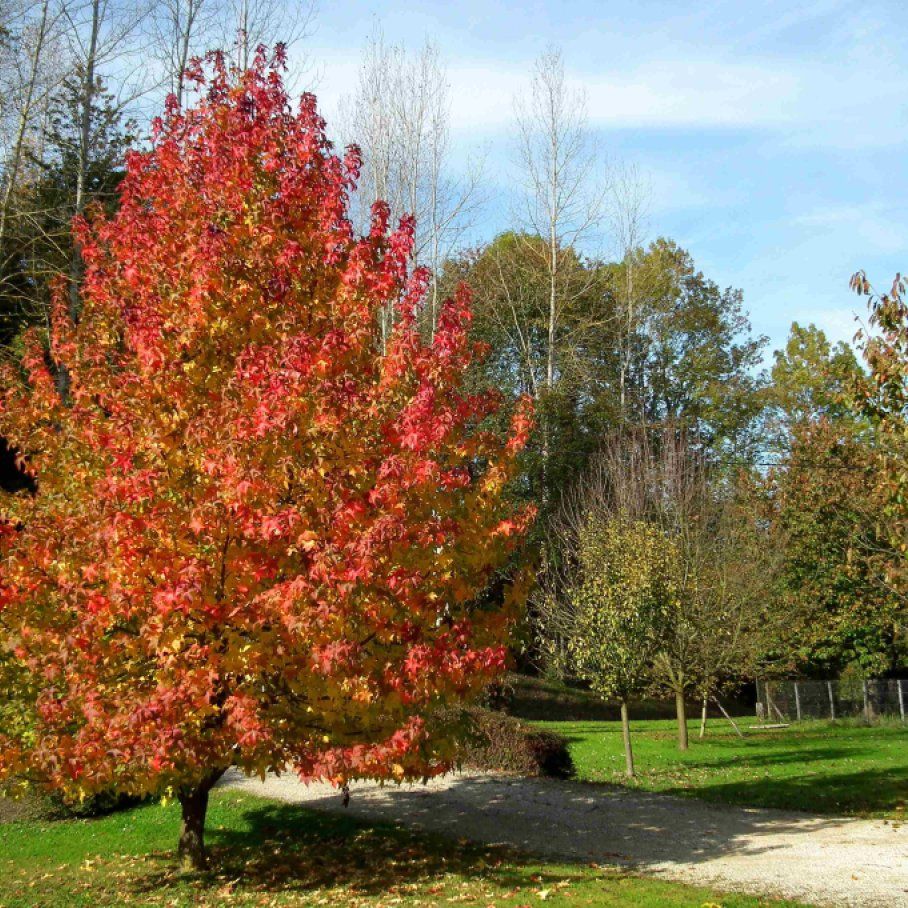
column 400, row 115
column 22, row 88
column 562, row 201
column 102, row 37
column 33, row 65
column 183, row 29
column 628, row 204
column 29, row 78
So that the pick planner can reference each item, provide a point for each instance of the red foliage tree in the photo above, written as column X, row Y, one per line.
column 259, row 540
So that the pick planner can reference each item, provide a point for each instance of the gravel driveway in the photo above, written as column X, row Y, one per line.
column 820, row 860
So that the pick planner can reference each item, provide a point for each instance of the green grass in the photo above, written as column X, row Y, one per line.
column 267, row 853
column 824, row 767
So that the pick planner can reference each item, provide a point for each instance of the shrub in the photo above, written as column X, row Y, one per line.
column 96, row 805
column 500, row 743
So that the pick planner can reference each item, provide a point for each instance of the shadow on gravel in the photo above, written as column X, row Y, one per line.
column 576, row 821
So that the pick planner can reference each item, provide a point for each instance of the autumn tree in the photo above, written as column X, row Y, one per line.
column 824, row 502
column 825, row 508
column 258, row 539
column 810, row 381
column 882, row 398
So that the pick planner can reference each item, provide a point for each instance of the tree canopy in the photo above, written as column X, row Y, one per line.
column 260, row 537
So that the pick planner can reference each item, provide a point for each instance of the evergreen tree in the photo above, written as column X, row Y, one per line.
column 39, row 243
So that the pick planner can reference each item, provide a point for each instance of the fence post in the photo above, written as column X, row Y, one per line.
column 797, row 702
column 866, row 703
column 831, row 701
column 901, row 699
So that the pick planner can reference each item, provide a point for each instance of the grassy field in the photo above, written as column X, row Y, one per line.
column 266, row 853
column 826, row 767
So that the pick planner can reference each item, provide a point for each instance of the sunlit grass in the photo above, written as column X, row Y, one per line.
column 827, row 767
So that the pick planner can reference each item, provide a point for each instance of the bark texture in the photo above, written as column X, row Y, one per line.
column 194, row 805
column 681, row 710
column 626, row 732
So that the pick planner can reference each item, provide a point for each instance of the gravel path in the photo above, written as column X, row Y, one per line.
column 820, row 860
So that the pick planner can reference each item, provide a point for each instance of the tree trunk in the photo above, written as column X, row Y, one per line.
column 703, row 720
column 681, row 710
column 194, row 804
column 626, row 732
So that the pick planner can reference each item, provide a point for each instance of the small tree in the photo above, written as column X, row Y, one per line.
column 604, row 624
column 622, row 600
column 708, row 632
column 259, row 540
column 724, row 572
column 729, row 566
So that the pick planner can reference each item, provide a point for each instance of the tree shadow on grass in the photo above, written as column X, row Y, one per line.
column 870, row 792
column 781, row 757
column 738, row 753
column 293, row 850
column 814, row 787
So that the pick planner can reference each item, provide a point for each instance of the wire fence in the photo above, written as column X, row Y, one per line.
column 792, row 701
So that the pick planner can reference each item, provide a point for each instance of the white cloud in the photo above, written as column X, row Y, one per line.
column 872, row 225
column 837, row 322
column 813, row 102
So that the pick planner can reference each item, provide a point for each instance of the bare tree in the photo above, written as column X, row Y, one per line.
column 628, row 204
column 563, row 200
column 443, row 204
column 399, row 117
column 102, row 36
column 183, row 29
column 33, row 64
column 245, row 24
column 31, row 76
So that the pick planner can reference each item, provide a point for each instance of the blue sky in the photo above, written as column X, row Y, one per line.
column 773, row 133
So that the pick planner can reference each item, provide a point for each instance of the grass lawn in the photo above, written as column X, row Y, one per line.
column 826, row 767
column 267, row 853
